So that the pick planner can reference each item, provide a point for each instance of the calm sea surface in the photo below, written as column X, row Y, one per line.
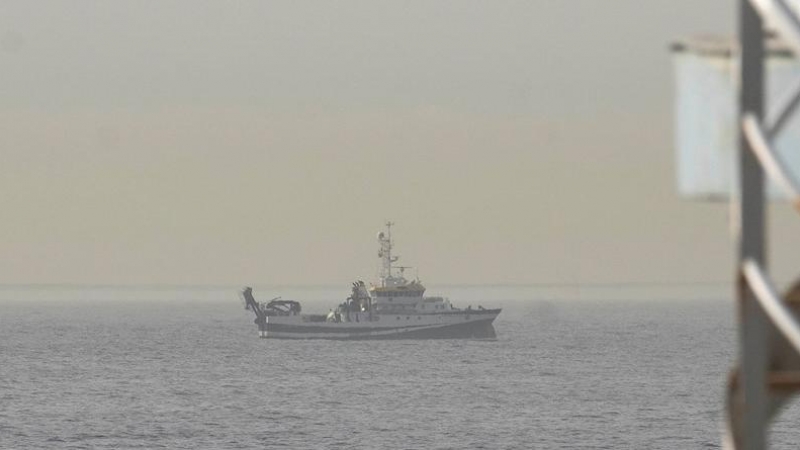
column 110, row 368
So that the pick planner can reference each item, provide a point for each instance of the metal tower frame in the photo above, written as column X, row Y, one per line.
column 765, row 379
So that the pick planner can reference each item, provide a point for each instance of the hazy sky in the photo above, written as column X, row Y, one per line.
column 265, row 142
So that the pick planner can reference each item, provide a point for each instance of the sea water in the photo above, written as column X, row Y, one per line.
column 108, row 368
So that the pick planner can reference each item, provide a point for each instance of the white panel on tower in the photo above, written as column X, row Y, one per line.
column 705, row 105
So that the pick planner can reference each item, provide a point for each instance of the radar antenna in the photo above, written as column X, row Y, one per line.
column 403, row 269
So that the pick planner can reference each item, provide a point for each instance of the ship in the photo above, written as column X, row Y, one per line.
column 392, row 308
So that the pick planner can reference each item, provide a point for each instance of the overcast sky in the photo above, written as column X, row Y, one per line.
column 265, row 142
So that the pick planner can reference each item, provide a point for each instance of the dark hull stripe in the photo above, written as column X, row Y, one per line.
column 481, row 329
column 286, row 328
column 310, row 327
column 473, row 312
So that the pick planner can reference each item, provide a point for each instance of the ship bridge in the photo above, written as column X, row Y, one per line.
column 395, row 292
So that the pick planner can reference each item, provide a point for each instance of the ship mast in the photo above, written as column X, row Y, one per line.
column 385, row 253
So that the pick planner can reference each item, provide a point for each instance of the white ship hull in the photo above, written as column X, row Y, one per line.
column 447, row 325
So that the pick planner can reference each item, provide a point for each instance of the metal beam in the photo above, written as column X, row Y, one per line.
column 770, row 161
column 753, row 335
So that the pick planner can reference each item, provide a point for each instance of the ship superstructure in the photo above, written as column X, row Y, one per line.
column 392, row 308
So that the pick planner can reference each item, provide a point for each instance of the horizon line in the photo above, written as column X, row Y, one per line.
column 585, row 284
